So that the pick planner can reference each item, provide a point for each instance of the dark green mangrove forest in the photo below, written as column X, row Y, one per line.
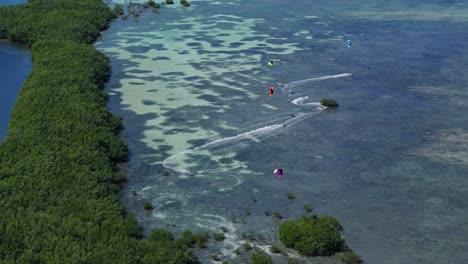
column 58, row 179
column 317, row 236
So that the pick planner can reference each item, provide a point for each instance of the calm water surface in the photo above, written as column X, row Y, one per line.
column 12, row 2
column 15, row 65
column 390, row 163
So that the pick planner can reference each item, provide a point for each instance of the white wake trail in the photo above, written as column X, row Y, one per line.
column 255, row 135
column 297, row 83
column 300, row 102
column 222, row 141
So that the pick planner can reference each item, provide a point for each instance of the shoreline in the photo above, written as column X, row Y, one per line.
column 59, row 158
column 71, row 151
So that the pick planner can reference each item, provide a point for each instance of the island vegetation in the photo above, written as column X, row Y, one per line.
column 219, row 236
column 135, row 9
column 308, row 208
column 184, row 3
column 148, row 206
column 328, row 102
column 349, row 257
column 118, row 10
column 58, row 175
column 317, row 236
column 291, row 195
column 259, row 258
column 313, row 236
column 153, row 4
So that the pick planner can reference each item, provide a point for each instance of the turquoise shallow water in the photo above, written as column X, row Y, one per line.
column 389, row 163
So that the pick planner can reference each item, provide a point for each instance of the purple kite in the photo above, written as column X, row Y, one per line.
column 278, row 172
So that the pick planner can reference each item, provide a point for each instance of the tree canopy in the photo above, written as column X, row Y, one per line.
column 58, row 179
column 313, row 236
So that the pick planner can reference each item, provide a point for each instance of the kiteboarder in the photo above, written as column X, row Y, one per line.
column 349, row 43
column 270, row 63
column 278, row 172
column 271, row 90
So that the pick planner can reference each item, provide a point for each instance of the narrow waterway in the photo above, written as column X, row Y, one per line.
column 15, row 65
column 204, row 136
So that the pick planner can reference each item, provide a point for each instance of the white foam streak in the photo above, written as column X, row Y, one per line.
column 246, row 135
column 297, row 83
column 300, row 102
column 255, row 135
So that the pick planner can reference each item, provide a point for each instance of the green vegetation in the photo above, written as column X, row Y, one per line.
column 184, row 3
column 293, row 261
column 275, row 249
column 118, row 10
column 308, row 208
column 58, row 179
column 247, row 246
column 136, row 9
column 219, row 236
column 261, row 259
column 148, row 206
column 78, row 21
column 313, row 236
column 195, row 240
column 278, row 215
column 161, row 247
column 258, row 250
column 329, row 102
column 153, row 4
column 291, row 195
column 349, row 257
column 250, row 237
column 170, row 2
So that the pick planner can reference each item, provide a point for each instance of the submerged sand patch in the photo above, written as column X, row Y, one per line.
column 446, row 146
column 453, row 13
column 206, row 65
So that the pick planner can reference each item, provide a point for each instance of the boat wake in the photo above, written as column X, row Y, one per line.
column 288, row 86
column 300, row 102
column 218, row 157
column 212, row 151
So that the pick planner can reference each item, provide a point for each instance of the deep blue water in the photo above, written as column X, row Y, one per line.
column 12, row 2
column 15, row 65
column 390, row 163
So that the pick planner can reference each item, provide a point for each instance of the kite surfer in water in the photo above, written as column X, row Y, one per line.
column 271, row 90
column 270, row 63
column 278, row 172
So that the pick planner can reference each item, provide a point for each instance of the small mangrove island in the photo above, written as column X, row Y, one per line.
column 329, row 102
column 135, row 9
column 59, row 179
column 316, row 236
